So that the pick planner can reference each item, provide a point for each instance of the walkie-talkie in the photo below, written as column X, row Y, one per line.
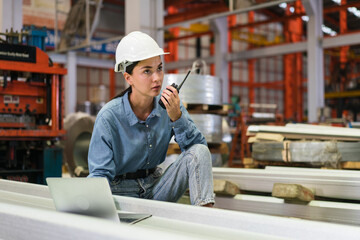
column 177, row 88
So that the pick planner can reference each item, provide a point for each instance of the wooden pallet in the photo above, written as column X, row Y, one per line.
column 350, row 165
column 207, row 109
column 221, row 148
column 251, row 163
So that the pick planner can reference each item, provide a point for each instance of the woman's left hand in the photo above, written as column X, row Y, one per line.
column 172, row 104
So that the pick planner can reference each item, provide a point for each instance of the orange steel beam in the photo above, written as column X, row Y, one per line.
column 293, row 68
column 295, row 16
column 41, row 66
column 54, row 102
column 251, row 65
column 62, row 100
column 299, row 87
column 231, row 22
column 288, row 64
column 173, row 45
column 344, row 49
column 272, row 20
column 22, row 134
column 195, row 12
column 203, row 11
column 195, row 35
column 299, row 64
column 19, row 67
column 30, row 96
column 212, row 52
column 341, row 7
column 24, row 89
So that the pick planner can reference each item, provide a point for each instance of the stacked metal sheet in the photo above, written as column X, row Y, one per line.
column 27, row 212
column 307, row 151
column 201, row 89
column 78, row 128
column 318, row 145
column 210, row 125
column 197, row 89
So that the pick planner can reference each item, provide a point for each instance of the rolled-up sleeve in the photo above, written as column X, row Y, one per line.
column 100, row 155
column 186, row 132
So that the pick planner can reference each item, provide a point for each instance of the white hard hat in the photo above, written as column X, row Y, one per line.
column 135, row 46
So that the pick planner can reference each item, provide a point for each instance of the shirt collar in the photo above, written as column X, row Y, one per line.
column 131, row 115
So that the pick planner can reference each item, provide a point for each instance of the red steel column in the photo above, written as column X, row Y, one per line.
column 55, row 101
column 251, row 66
column 293, row 90
column 173, row 45
column 345, row 49
column 299, row 63
column 231, row 22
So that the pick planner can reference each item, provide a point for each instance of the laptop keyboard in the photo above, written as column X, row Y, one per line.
column 132, row 218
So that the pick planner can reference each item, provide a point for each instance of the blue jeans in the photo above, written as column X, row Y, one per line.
column 192, row 169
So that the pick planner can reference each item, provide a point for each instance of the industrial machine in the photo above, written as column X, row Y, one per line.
column 31, row 110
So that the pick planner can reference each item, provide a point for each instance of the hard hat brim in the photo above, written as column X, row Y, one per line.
column 117, row 69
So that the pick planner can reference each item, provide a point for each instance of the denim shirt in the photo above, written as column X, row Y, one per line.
column 120, row 143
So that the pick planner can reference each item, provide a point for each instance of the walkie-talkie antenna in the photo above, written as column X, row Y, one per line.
column 177, row 89
column 184, row 80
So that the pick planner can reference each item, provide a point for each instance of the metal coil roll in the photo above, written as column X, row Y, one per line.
column 197, row 89
column 78, row 128
column 210, row 125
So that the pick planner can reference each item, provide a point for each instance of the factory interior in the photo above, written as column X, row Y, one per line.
column 273, row 86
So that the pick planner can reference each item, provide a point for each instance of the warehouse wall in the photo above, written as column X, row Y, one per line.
column 267, row 70
column 42, row 12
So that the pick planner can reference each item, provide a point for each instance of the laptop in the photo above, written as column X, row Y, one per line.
column 90, row 197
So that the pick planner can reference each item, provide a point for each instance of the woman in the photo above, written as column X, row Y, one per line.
column 132, row 132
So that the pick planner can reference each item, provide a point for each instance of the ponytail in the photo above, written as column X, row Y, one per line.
column 129, row 70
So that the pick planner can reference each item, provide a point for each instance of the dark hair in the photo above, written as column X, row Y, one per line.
column 129, row 70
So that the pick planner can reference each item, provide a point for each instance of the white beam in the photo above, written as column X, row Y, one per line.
column 303, row 130
column 328, row 42
column 168, row 220
column 10, row 15
column 343, row 185
column 83, row 61
column 271, row 226
column 341, row 40
column 219, row 27
column 145, row 16
column 267, row 51
column 315, row 61
column 310, row 7
column 71, row 83
column 20, row 222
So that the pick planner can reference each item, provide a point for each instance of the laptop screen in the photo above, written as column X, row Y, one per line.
column 86, row 196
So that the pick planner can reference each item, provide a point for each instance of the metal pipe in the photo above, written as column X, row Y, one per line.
column 87, row 22
column 96, row 18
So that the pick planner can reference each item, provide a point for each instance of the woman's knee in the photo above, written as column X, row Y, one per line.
column 201, row 152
